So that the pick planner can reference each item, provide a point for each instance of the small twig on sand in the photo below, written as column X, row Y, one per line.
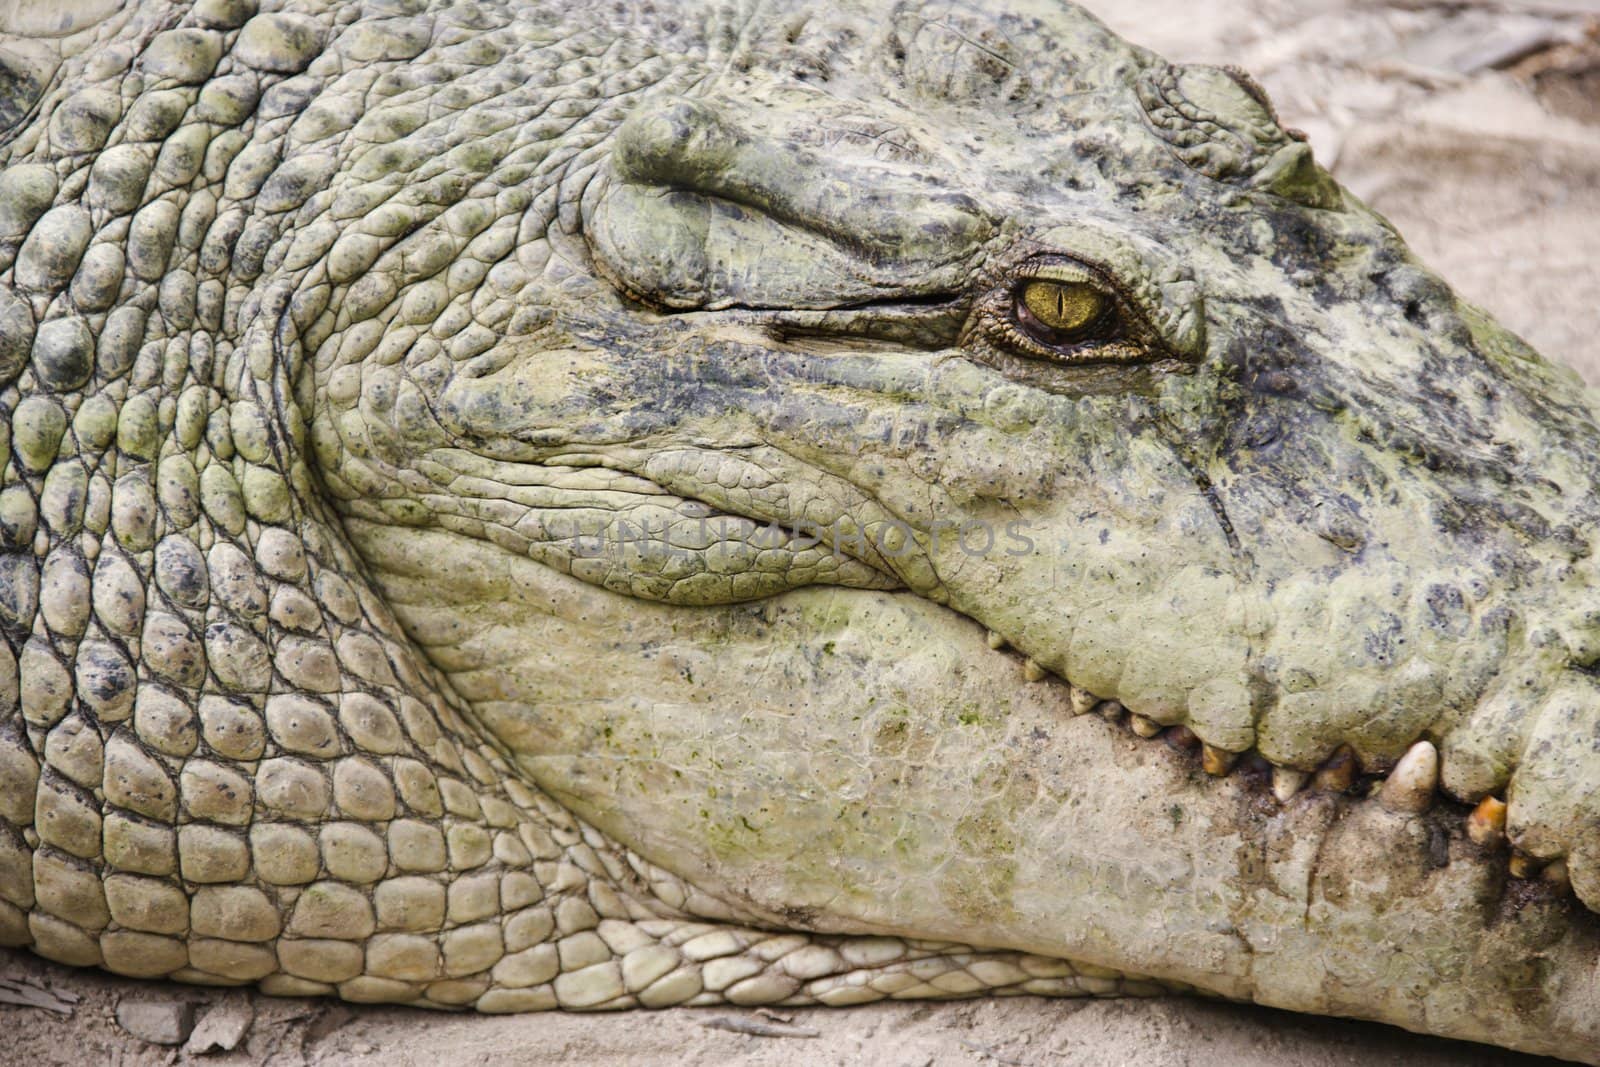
column 1541, row 7
column 755, row 1027
column 26, row 993
column 988, row 1053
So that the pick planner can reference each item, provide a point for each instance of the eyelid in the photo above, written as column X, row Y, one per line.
column 1063, row 272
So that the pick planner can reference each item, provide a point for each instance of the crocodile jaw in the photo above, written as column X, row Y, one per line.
column 1258, row 538
column 864, row 763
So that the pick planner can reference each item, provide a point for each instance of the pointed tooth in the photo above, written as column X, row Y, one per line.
column 996, row 642
column 1556, row 874
column 1523, row 865
column 1143, row 726
column 1286, row 782
column 1410, row 787
column 1111, row 709
column 1181, row 738
column 1487, row 823
column 1338, row 774
column 1083, row 701
column 1217, row 761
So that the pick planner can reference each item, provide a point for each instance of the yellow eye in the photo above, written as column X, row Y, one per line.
column 1066, row 307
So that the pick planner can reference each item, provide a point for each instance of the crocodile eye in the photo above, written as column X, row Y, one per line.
column 1058, row 313
column 1062, row 312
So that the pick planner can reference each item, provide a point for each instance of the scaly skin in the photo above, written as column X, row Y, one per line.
column 521, row 506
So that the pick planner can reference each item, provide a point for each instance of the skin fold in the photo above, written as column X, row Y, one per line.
column 522, row 507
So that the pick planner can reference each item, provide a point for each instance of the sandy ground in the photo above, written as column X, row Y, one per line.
column 1010, row 1032
column 1476, row 128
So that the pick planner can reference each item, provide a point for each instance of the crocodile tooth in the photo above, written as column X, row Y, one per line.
column 996, row 642
column 1338, row 773
column 1286, row 782
column 1033, row 670
column 1143, row 725
column 1410, row 786
column 1217, row 761
column 1487, row 823
column 1111, row 709
column 1523, row 865
column 1181, row 738
column 1083, row 701
column 1556, row 874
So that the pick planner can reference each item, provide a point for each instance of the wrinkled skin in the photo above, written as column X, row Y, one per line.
column 515, row 509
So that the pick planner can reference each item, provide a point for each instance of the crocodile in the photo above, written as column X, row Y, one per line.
column 519, row 505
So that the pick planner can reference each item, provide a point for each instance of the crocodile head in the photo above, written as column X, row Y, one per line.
column 904, row 385
column 778, row 433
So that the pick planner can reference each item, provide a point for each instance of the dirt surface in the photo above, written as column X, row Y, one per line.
column 1475, row 127
column 1020, row 1031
